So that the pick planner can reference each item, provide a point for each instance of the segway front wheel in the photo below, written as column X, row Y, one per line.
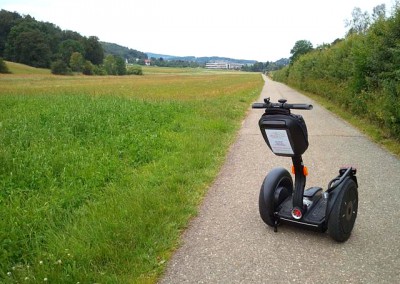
column 277, row 186
column 344, row 212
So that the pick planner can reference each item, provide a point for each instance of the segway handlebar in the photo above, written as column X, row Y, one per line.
column 282, row 104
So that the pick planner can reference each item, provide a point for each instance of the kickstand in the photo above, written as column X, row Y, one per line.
column 276, row 223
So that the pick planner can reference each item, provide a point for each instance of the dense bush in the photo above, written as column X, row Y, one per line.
column 359, row 73
column 135, row 70
column 59, row 67
column 88, row 68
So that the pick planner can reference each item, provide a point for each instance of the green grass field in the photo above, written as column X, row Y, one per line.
column 18, row 68
column 100, row 175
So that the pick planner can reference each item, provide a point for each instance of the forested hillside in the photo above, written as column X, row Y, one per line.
column 41, row 44
column 360, row 73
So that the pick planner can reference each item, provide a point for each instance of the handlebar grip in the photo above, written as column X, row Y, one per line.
column 258, row 105
column 301, row 106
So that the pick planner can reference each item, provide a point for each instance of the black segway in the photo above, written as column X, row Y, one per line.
column 334, row 209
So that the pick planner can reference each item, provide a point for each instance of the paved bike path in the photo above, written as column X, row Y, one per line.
column 228, row 242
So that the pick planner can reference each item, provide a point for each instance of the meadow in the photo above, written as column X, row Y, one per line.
column 99, row 176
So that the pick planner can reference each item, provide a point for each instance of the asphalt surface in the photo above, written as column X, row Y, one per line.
column 229, row 243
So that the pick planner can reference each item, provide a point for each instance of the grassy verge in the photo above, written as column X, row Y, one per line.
column 99, row 175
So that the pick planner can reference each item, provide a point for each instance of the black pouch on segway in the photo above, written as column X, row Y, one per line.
column 285, row 133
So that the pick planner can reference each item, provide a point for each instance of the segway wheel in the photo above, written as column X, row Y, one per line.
column 344, row 212
column 277, row 186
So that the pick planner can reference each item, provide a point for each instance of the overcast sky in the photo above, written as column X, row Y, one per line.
column 261, row 30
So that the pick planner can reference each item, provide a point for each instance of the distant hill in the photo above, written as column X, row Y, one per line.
column 131, row 55
column 282, row 62
column 201, row 60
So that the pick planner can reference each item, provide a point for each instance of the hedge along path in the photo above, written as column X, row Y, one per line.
column 228, row 242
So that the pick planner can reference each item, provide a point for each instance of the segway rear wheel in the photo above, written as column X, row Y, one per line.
column 277, row 186
column 344, row 212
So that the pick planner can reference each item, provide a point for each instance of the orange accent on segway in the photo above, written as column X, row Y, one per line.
column 305, row 170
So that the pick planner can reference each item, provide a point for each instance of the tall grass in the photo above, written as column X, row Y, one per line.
column 99, row 175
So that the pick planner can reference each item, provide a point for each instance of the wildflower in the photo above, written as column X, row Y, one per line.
column 9, row 273
column 45, row 279
column 26, row 278
column 59, row 261
column 41, row 262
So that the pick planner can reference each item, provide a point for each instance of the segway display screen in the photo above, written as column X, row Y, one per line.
column 285, row 135
column 279, row 141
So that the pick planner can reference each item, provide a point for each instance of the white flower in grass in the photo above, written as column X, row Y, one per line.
column 45, row 279
column 9, row 273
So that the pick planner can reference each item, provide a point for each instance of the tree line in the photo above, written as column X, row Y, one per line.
column 359, row 72
column 41, row 44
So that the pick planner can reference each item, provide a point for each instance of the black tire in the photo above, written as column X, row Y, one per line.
column 344, row 212
column 277, row 186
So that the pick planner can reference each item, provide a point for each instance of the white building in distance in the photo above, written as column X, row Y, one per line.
column 223, row 65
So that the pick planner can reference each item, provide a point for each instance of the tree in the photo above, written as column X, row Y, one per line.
column 76, row 62
column 32, row 49
column 114, row 65
column 93, row 50
column 120, row 66
column 67, row 47
column 53, row 35
column 360, row 22
column 7, row 21
column 27, row 44
column 379, row 12
column 67, row 34
column 110, row 64
column 300, row 47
